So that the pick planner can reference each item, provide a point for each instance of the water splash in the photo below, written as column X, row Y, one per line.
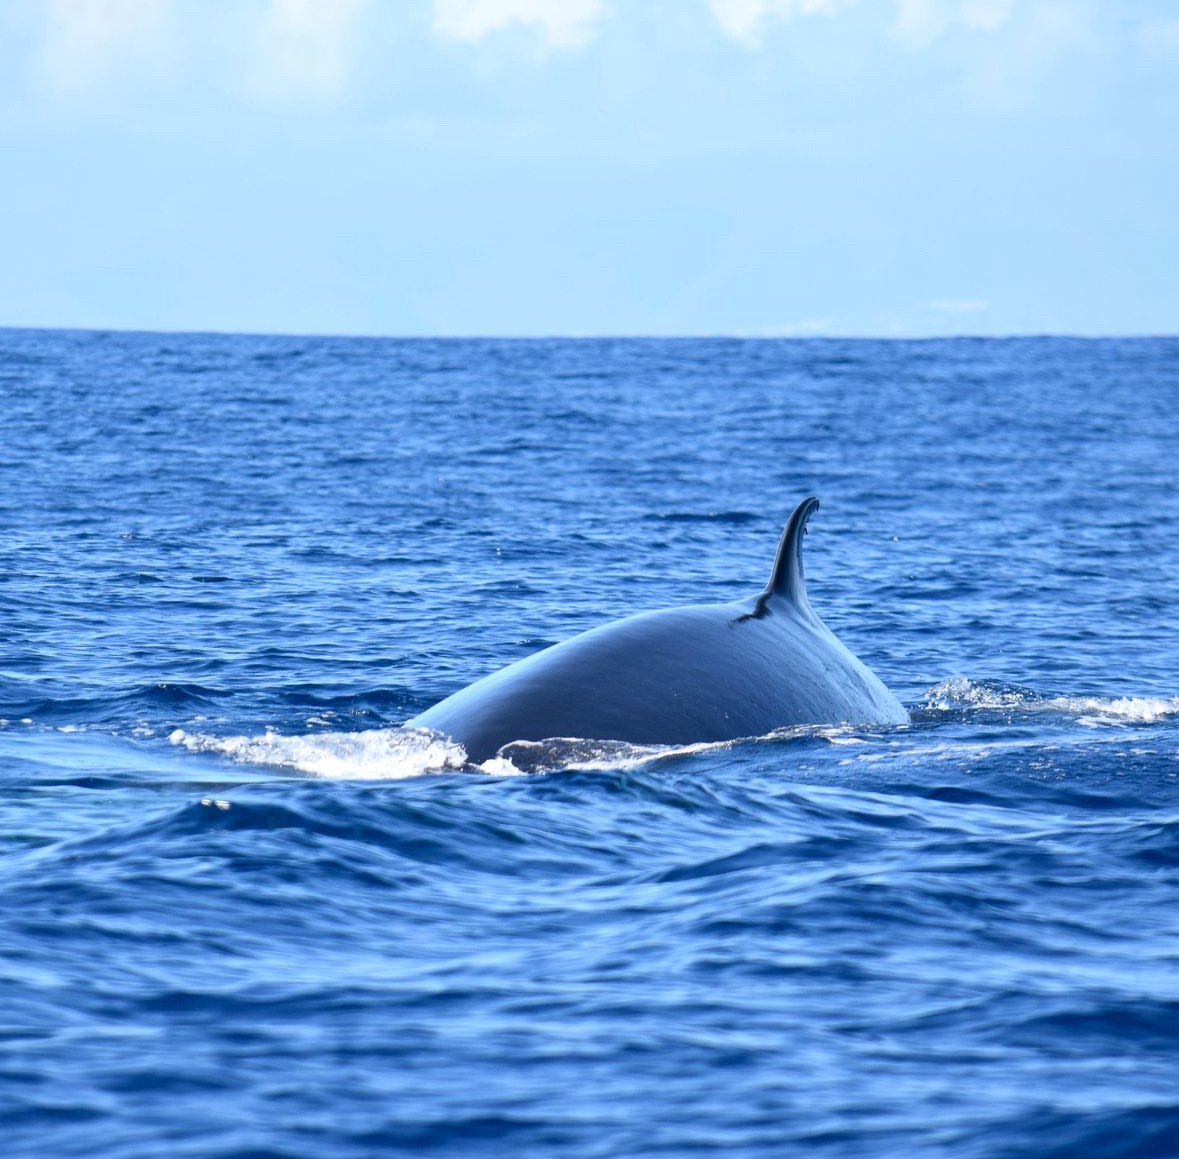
column 1096, row 710
column 959, row 696
column 387, row 754
column 959, row 693
column 397, row 753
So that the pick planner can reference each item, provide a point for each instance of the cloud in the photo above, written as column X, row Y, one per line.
column 269, row 49
column 917, row 23
column 984, row 15
column 303, row 48
column 921, row 22
column 745, row 20
column 1005, row 53
column 957, row 305
column 1007, row 73
column 559, row 23
column 295, row 51
column 88, row 43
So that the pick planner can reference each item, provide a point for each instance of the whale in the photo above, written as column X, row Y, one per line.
column 680, row 676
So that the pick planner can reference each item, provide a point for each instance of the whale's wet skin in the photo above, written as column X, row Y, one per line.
column 680, row 676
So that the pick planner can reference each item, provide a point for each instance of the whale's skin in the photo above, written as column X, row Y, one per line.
column 702, row 673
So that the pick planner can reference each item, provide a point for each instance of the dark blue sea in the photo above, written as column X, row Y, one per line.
column 244, row 916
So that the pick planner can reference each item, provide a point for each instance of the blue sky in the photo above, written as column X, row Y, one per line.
column 760, row 167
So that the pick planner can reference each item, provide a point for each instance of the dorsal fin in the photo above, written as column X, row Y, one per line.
column 786, row 582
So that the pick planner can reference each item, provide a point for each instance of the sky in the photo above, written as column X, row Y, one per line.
column 573, row 167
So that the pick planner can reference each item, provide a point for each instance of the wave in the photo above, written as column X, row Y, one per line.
column 959, row 696
column 398, row 753
column 384, row 754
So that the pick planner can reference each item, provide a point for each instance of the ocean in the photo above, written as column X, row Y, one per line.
column 243, row 915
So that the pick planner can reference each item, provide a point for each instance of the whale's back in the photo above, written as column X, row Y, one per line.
column 708, row 672
column 680, row 676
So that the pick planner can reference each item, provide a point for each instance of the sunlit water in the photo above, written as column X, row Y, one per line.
column 243, row 913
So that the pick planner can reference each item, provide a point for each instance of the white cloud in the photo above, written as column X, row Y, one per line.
column 87, row 43
column 303, row 48
column 921, row 22
column 269, row 49
column 1007, row 73
column 559, row 23
column 958, row 305
column 745, row 20
column 917, row 23
column 1003, row 50
column 306, row 50
column 985, row 15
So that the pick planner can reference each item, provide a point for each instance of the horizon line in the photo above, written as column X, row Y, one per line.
column 576, row 336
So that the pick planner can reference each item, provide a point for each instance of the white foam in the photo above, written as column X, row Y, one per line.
column 386, row 754
column 959, row 693
column 1097, row 710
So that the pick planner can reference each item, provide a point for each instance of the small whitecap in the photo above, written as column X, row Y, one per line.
column 377, row 755
column 1094, row 711
column 959, row 693
column 500, row 767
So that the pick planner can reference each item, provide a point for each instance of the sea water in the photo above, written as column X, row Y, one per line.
column 243, row 914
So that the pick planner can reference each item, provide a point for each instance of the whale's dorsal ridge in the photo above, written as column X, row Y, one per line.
column 786, row 580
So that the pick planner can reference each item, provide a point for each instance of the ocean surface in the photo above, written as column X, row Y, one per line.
column 243, row 915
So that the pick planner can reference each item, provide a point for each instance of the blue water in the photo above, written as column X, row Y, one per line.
column 242, row 914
